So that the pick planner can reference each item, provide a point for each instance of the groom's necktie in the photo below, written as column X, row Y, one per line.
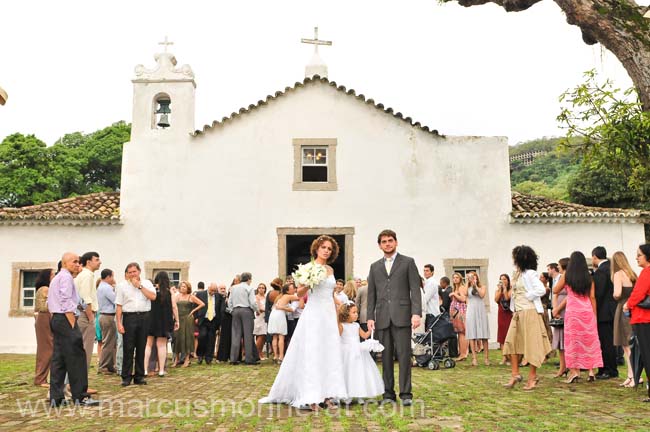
column 388, row 262
column 210, row 313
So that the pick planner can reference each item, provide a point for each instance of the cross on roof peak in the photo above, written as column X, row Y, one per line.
column 315, row 41
column 165, row 43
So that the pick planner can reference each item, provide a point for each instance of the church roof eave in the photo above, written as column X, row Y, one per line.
column 102, row 208
column 308, row 81
column 527, row 209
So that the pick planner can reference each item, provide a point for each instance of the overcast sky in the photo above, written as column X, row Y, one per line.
column 67, row 65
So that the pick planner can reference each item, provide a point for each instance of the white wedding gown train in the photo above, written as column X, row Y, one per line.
column 312, row 369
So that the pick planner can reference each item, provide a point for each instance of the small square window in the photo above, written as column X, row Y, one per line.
column 314, row 162
column 28, row 289
column 174, row 275
column 23, row 286
column 176, row 270
column 464, row 271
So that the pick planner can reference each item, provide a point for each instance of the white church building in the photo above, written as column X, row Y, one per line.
column 250, row 192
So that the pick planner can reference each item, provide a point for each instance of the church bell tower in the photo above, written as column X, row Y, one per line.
column 163, row 98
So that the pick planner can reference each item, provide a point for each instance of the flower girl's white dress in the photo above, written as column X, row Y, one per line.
column 312, row 369
column 362, row 377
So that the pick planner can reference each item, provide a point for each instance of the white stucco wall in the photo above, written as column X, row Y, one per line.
column 216, row 200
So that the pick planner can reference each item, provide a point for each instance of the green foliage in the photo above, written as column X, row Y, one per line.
column 600, row 185
column 614, row 144
column 548, row 175
column 25, row 171
column 93, row 162
column 77, row 164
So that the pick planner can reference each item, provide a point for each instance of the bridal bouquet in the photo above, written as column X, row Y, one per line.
column 310, row 274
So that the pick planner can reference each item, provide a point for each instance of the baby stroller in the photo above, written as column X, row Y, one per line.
column 431, row 349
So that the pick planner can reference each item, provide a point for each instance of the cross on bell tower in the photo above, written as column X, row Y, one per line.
column 165, row 43
column 316, row 64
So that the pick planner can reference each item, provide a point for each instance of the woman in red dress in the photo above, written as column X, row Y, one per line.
column 641, row 316
column 502, row 298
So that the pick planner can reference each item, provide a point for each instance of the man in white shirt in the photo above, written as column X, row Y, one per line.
column 133, row 303
column 85, row 284
column 554, row 272
column 431, row 296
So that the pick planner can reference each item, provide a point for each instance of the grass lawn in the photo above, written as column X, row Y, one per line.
column 224, row 398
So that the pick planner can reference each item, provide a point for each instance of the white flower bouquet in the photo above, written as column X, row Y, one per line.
column 310, row 274
column 371, row 344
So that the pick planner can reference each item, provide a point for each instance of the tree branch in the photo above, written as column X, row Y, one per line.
column 618, row 25
column 508, row 5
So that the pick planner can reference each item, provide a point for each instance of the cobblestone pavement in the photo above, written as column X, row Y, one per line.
column 222, row 397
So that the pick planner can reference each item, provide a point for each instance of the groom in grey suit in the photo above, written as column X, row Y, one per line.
column 394, row 308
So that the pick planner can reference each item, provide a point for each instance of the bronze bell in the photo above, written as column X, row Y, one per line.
column 164, row 121
column 164, row 111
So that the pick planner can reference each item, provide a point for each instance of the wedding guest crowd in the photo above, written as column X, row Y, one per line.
column 581, row 313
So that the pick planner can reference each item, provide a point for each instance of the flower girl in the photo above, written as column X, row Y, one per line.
column 362, row 377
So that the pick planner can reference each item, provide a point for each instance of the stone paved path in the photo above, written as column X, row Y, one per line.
column 224, row 398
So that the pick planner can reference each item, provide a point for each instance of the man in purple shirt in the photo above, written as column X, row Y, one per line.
column 68, row 355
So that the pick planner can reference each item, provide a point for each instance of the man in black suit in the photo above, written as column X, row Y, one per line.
column 394, row 307
column 208, row 319
column 605, row 310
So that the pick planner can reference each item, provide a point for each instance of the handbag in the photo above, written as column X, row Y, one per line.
column 458, row 323
column 556, row 322
column 645, row 303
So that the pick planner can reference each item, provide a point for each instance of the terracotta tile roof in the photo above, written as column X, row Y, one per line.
column 310, row 81
column 102, row 207
column 529, row 208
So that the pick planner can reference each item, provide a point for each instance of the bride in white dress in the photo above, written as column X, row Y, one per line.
column 312, row 370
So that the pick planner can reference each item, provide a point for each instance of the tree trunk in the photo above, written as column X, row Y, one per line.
column 618, row 25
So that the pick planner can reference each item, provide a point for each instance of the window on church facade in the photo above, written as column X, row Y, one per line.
column 466, row 265
column 176, row 270
column 464, row 271
column 23, row 289
column 314, row 164
column 28, row 289
column 174, row 275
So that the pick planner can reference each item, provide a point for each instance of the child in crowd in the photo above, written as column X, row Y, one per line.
column 362, row 377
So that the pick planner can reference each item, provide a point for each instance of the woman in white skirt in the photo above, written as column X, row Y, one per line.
column 259, row 325
column 278, row 321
